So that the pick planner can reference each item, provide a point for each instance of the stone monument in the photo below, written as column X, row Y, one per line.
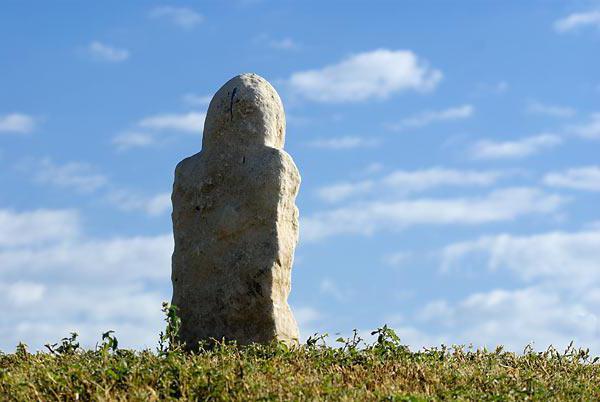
column 235, row 222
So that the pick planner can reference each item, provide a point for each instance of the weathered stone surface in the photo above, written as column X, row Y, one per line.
column 235, row 221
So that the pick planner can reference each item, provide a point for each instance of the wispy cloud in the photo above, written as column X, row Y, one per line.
column 595, row 226
column 16, row 123
column 23, row 293
column 77, row 175
column 306, row 316
column 187, row 122
column 196, row 100
column 498, row 88
column 406, row 182
column 488, row 149
column 582, row 178
column 398, row 259
column 181, row 16
column 558, row 304
column 83, row 178
column 578, row 20
column 501, row 87
column 428, row 117
column 331, row 288
column 377, row 74
column 340, row 191
column 339, row 143
column 373, row 168
column 102, row 52
column 537, row 316
column 283, row 44
column 37, row 226
column 55, row 279
column 589, row 130
column 535, row 107
column 152, row 130
column 133, row 139
column 127, row 200
column 365, row 218
column 563, row 258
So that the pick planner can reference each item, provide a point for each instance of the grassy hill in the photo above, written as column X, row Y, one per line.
column 384, row 370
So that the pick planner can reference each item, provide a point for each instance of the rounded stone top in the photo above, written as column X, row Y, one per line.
column 246, row 111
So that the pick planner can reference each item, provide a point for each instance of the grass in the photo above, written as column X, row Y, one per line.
column 384, row 370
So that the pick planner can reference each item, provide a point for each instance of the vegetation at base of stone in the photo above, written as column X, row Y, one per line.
column 384, row 370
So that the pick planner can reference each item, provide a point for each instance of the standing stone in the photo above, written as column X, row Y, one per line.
column 235, row 221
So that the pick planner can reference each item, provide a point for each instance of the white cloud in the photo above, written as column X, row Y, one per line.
column 593, row 225
column 406, row 182
column 152, row 130
column 589, row 130
column 183, row 17
column 578, row 20
column 398, row 259
column 550, row 110
column 23, row 293
column 310, row 321
column 338, row 143
column 77, row 259
column 55, row 280
column 513, row 318
column 134, row 139
column 16, row 123
column 283, row 44
column 292, row 119
column 376, row 74
column 583, row 178
column 36, row 227
column 102, row 52
column 373, row 168
column 188, row 122
column 501, row 87
column 82, row 178
column 497, row 88
column 128, row 201
column 558, row 304
column 560, row 258
column 196, row 100
column 419, row 180
column 365, row 218
column 330, row 288
column 340, row 191
column 306, row 315
column 428, row 117
column 76, row 175
column 159, row 204
column 487, row 149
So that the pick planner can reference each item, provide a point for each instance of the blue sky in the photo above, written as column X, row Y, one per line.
column 448, row 152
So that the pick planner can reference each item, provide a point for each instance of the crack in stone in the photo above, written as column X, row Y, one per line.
column 231, row 103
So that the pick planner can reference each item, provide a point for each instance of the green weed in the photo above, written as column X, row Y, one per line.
column 385, row 370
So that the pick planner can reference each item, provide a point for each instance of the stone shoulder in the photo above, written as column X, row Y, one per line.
column 188, row 164
column 266, row 159
column 282, row 161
